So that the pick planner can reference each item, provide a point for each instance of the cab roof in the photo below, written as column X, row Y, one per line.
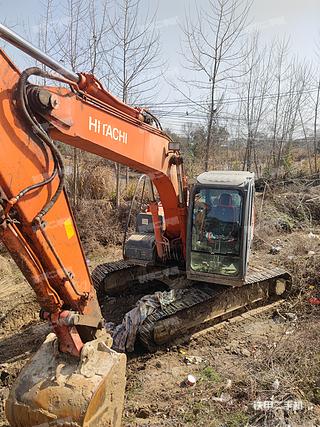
column 229, row 178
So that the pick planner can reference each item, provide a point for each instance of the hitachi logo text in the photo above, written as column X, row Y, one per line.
column 107, row 130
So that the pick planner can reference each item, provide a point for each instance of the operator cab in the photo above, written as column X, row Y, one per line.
column 220, row 227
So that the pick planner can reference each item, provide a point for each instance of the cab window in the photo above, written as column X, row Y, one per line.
column 216, row 231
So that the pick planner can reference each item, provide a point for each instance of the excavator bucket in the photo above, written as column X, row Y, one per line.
column 55, row 389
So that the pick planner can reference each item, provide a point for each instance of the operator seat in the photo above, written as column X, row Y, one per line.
column 225, row 211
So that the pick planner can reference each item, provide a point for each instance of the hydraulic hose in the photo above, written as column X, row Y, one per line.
column 43, row 138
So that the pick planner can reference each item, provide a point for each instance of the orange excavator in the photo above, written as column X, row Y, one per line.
column 196, row 242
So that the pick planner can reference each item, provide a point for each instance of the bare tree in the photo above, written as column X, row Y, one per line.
column 292, row 102
column 99, row 29
column 135, row 63
column 315, row 127
column 69, row 40
column 76, row 33
column 306, row 140
column 44, row 28
column 280, row 71
column 214, row 46
column 256, row 85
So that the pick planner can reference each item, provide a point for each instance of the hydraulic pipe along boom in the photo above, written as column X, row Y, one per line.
column 20, row 43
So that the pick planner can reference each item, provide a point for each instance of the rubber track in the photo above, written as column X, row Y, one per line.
column 186, row 298
column 192, row 297
column 100, row 273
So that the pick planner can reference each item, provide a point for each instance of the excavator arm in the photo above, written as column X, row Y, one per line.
column 37, row 225
column 43, row 229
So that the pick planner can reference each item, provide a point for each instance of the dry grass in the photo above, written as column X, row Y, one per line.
column 95, row 182
column 100, row 224
column 5, row 267
column 288, row 372
column 289, row 218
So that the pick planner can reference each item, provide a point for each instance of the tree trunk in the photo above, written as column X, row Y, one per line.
column 118, row 184
column 75, row 177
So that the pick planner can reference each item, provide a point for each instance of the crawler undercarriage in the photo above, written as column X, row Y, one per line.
column 195, row 306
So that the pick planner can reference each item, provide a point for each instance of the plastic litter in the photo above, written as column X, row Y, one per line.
column 190, row 380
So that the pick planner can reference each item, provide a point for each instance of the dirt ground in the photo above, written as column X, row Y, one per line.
column 261, row 370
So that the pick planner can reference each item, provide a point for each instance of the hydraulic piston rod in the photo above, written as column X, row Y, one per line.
column 20, row 43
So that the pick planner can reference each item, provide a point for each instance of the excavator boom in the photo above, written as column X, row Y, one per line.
column 35, row 207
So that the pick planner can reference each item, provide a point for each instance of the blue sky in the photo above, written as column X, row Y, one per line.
column 300, row 19
column 297, row 19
